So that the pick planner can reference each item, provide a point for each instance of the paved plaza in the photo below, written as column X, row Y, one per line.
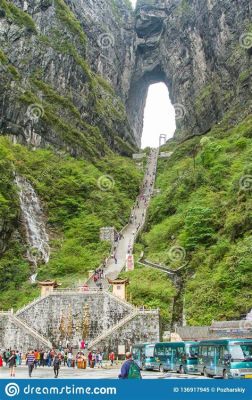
column 89, row 373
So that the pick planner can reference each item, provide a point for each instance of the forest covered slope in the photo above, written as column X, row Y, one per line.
column 203, row 219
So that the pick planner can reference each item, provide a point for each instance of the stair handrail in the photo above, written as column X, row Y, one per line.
column 124, row 302
column 27, row 306
column 32, row 331
column 145, row 262
column 108, row 332
column 123, row 321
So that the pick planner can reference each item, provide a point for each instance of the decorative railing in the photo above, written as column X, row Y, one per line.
column 29, row 305
column 32, row 331
column 120, row 324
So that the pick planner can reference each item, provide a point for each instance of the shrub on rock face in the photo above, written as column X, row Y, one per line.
column 198, row 227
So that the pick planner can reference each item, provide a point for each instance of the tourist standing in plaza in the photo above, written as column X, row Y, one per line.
column 36, row 355
column 18, row 358
column 100, row 359
column 69, row 359
column 89, row 358
column 111, row 358
column 12, row 362
column 129, row 369
column 30, row 359
column 6, row 356
column 93, row 359
column 56, row 365
column 45, row 359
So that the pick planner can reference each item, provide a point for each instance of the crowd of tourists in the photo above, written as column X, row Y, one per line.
column 53, row 358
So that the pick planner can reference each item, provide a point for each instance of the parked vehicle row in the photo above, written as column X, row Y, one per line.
column 227, row 358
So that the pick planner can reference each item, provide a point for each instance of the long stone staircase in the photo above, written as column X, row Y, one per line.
column 134, row 227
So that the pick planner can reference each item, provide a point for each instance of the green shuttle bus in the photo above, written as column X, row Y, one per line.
column 227, row 358
column 139, row 354
column 171, row 356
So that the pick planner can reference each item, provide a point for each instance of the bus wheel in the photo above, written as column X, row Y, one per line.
column 181, row 369
column 225, row 374
column 161, row 368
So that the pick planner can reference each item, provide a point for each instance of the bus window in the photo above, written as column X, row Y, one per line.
column 181, row 352
column 210, row 351
column 149, row 351
column 241, row 351
column 160, row 351
column 204, row 351
column 192, row 352
column 222, row 352
column 136, row 353
column 168, row 351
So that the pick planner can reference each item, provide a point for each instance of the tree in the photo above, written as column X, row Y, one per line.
column 199, row 228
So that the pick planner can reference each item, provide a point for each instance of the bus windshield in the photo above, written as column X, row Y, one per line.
column 241, row 351
column 149, row 351
column 191, row 351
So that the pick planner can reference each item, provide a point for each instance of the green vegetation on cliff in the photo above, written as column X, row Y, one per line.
column 78, row 198
column 152, row 289
column 205, row 208
column 18, row 16
column 86, row 119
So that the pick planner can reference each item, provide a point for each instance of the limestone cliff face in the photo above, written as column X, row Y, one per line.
column 70, row 68
column 61, row 62
column 202, row 50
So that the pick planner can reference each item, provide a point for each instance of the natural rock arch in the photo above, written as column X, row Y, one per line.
column 188, row 45
column 137, row 99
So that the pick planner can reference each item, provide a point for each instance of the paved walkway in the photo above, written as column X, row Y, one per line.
column 137, row 219
column 96, row 373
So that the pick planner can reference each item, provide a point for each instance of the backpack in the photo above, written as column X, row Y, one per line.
column 134, row 371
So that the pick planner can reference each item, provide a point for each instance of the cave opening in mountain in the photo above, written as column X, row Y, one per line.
column 159, row 116
column 149, row 106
